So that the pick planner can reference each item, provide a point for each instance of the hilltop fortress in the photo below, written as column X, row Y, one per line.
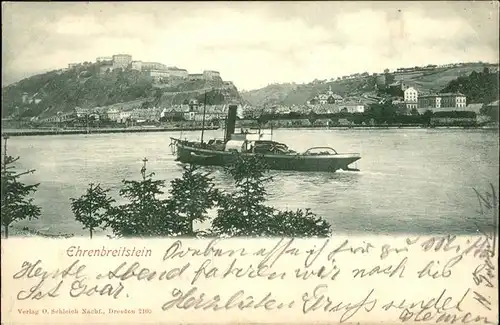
column 156, row 70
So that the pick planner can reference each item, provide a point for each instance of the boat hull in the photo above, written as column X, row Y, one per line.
column 296, row 162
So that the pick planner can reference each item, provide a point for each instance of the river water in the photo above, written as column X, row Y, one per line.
column 411, row 180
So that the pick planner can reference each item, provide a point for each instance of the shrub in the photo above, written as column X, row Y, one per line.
column 16, row 203
column 91, row 208
column 243, row 213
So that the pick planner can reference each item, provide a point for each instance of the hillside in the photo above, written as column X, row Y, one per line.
column 86, row 86
column 429, row 81
column 479, row 87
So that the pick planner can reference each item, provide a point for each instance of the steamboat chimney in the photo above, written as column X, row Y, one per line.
column 231, row 121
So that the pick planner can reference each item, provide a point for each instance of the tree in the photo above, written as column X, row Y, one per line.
column 146, row 214
column 92, row 207
column 191, row 197
column 312, row 117
column 427, row 116
column 243, row 213
column 477, row 87
column 16, row 205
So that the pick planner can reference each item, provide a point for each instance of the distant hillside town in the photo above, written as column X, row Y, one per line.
column 120, row 90
column 138, row 115
column 408, row 91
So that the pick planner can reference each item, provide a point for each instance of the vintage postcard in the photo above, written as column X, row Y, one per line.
column 250, row 162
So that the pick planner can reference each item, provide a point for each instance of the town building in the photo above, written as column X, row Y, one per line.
column 352, row 107
column 442, row 102
column 327, row 97
column 124, row 116
column 73, row 65
column 113, row 114
column 429, row 101
column 325, row 108
column 453, row 100
column 189, row 116
column 411, row 98
column 82, row 112
column 121, row 61
column 145, row 114
column 411, row 95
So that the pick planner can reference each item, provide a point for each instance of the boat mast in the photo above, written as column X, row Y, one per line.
column 203, row 121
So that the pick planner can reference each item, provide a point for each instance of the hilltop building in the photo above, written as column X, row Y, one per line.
column 152, row 66
column 177, row 73
column 196, row 76
column 121, row 61
column 211, row 74
column 104, row 59
column 136, row 65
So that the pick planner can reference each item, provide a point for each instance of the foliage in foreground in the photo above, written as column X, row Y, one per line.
column 16, row 201
column 91, row 208
column 241, row 212
column 145, row 214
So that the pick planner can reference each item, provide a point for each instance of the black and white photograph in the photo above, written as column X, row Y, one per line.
column 247, row 119
column 339, row 159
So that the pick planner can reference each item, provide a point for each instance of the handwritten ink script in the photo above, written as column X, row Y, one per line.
column 418, row 279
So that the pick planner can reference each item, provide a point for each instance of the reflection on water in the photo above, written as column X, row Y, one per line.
column 414, row 180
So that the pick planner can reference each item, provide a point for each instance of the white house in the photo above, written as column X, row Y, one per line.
column 411, row 95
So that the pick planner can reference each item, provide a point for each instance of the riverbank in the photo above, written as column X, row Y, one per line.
column 32, row 132
column 28, row 232
column 39, row 132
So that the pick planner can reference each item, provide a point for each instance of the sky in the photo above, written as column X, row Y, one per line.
column 252, row 44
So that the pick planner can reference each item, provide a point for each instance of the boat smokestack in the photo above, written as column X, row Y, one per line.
column 231, row 120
